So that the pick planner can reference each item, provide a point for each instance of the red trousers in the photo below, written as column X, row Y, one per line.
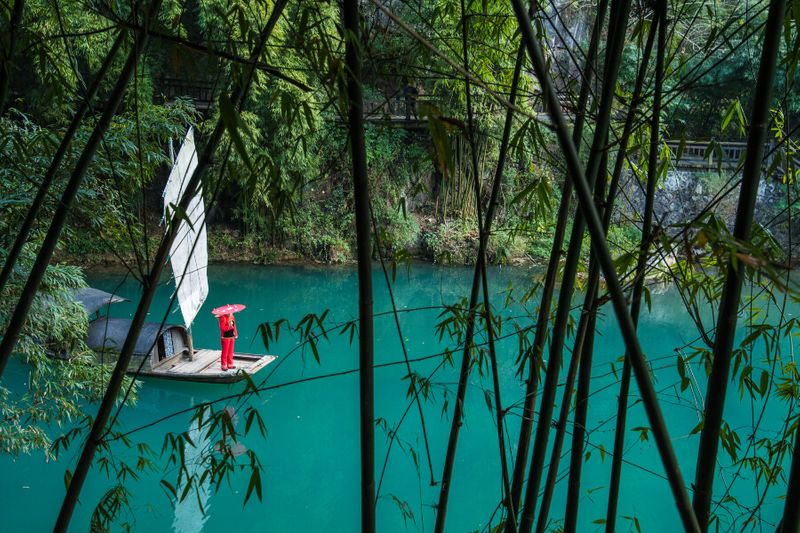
column 227, row 351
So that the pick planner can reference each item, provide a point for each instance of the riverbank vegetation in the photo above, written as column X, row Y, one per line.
column 606, row 143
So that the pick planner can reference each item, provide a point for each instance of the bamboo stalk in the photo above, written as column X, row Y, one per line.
column 618, row 17
column 579, row 424
column 149, row 286
column 561, row 425
column 548, row 287
column 584, row 338
column 8, row 54
column 466, row 359
column 647, row 233
column 640, row 367
column 589, row 301
column 498, row 178
column 731, row 291
column 49, row 176
column 479, row 278
column 350, row 15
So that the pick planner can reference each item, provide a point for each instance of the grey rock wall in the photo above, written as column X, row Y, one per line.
column 684, row 194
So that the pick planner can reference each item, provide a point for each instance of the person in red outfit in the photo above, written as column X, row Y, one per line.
column 227, row 333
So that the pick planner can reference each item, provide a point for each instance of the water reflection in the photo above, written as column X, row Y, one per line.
column 192, row 513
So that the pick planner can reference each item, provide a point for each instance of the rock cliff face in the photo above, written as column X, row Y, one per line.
column 686, row 193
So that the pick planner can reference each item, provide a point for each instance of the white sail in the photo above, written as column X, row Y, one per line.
column 189, row 251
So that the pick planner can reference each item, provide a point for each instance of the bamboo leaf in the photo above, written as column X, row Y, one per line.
column 170, row 488
column 233, row 124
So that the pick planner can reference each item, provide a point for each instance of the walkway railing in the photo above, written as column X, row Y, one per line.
column 709, row 154
column 202, row 92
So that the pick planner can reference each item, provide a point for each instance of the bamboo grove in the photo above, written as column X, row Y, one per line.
column 293, row 85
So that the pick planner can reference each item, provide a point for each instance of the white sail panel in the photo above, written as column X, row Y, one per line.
column 189, row 251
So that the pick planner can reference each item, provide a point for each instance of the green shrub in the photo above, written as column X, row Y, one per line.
column 453, row 243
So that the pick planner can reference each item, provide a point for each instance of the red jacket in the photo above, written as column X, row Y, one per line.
column 227, row 326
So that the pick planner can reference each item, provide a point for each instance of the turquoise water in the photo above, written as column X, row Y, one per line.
column 310, row 454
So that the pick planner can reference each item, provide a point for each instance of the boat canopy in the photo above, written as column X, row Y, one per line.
column 93, row 300
column 157, row 342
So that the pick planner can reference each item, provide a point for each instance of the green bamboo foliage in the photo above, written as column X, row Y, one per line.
column 457, row 192
column 340, row 69
column 47, row 180
column 68, row 195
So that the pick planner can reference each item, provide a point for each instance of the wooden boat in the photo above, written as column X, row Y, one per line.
column 167, row 351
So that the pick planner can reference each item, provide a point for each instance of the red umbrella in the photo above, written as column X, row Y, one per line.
column 227, row 309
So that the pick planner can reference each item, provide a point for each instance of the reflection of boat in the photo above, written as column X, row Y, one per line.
column 167, row 351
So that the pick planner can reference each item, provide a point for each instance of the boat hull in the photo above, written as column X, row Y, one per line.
column 205, row 367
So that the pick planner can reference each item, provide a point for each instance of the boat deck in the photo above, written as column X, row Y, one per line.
column 205, row 367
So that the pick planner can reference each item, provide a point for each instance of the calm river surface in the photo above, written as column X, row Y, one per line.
column 310, row 455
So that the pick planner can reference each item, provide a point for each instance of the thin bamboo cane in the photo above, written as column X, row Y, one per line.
column 498, row 178
column 466, row 359
column 618, row 17
column 579, row 424
column 584, row 193
column 561, row 425
column 49, row 176
column 791, row 510
column 641, row 266
column 731, row 291
column 478, row 277
column 540, row 335
column 149, row 286
column 591, row 292
column 583, row 337
column 350, row 15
